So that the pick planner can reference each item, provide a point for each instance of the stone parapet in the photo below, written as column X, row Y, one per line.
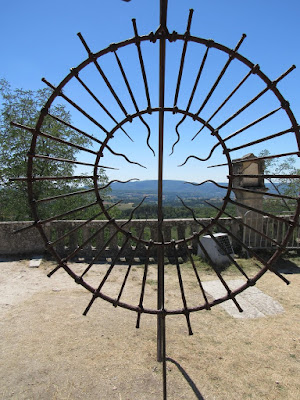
column 30, row 242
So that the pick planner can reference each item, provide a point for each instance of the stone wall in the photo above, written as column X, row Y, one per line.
column 30, row 242
column 27, row 243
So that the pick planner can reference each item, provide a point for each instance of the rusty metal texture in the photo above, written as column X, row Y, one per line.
column 191, row 108
column 161, row 36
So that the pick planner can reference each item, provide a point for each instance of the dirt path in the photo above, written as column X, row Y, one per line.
column 50, row 351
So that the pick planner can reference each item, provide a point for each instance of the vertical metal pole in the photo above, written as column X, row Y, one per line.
column 160, row 256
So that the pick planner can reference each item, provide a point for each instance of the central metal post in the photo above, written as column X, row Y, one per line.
column 160, row 256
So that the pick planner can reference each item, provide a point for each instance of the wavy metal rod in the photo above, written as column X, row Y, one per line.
column 97, row 100
column 125, row 157
column 251, row 124
column 117, row 180
column 133, row 99
column 191, row 97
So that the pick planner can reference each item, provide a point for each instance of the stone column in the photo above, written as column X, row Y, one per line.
column 255, row 200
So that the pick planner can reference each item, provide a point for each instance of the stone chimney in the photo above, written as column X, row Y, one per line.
column 247, row 165
column 243, row 166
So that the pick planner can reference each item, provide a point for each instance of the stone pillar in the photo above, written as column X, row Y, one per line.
column 255, row 200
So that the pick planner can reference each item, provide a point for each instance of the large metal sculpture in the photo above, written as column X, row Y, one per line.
column 114, row 128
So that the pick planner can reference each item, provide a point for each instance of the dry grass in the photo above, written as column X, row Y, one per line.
column 51, row 351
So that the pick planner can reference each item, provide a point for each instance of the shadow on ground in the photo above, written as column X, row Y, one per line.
column 285, row 266
column 187, row 378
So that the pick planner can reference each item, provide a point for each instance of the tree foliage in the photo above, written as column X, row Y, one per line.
column 284, row 186
column 23, row 106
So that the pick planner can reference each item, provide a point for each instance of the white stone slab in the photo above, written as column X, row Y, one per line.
column 35, row 262
column 254, row 302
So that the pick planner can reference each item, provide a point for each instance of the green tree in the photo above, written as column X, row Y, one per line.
column 23, row 106
column 285, row 186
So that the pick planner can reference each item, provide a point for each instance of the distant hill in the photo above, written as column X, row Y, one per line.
column 171, row 188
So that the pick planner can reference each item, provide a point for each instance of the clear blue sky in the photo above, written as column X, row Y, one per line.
column 39, row 40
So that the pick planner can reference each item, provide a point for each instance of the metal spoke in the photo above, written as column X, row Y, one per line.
column 56, row 139
column 231, row 58
column 48, row 158
column 264, row 139
column 293, row 153
column 44, row 221
column 133, row 99
column 253, row 123
column 226, row 100
column 52, row 178
column 99, row 69
column 87, row 241
column 97, row 100
column 51, row 244
column 265, row 213
column 261, row 260
column 241, row 222
column 186, row 312
column 140, row 55
column 144, row 283
column 187, row 34
column 197, row 276
column 191, row 97
column 76, row 106
column 207, row 256
column 270, row 86
column 129, row 266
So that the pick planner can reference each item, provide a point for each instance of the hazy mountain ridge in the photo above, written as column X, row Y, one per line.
column 172, row 188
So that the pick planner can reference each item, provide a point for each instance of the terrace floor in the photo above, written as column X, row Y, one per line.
column 50, row 351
